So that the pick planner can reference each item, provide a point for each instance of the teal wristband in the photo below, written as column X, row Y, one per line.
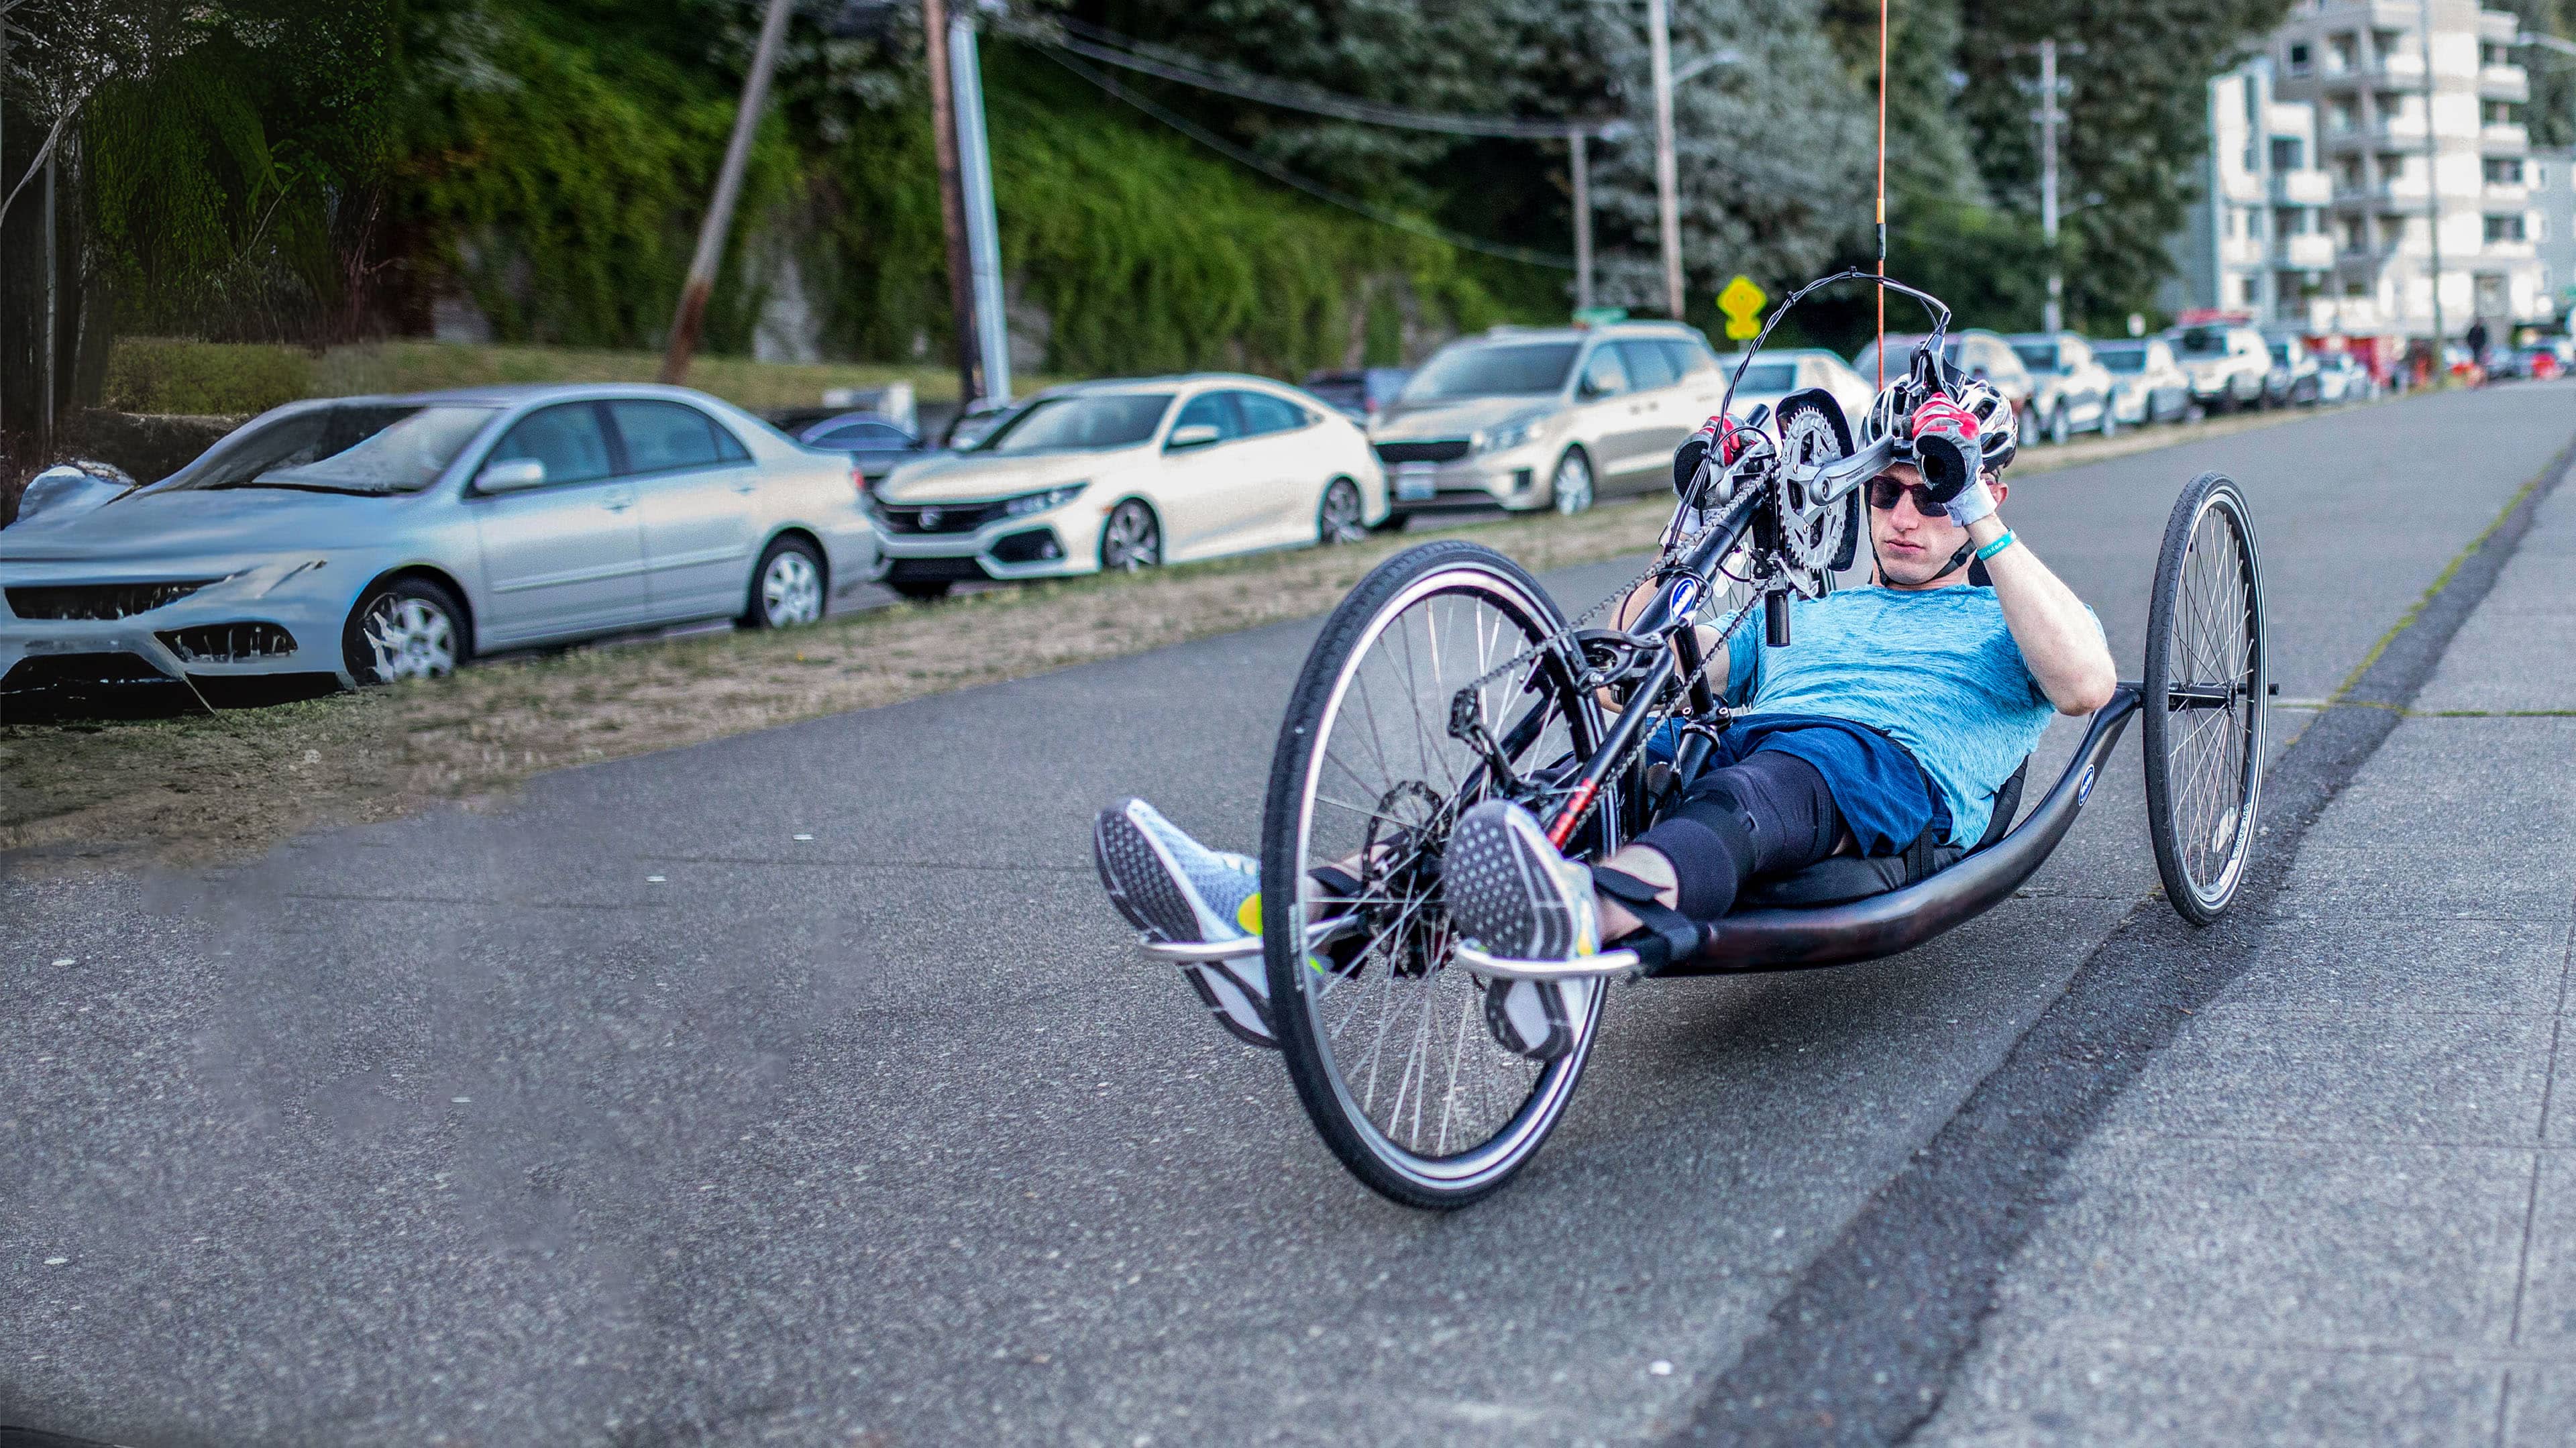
column 1997, row 546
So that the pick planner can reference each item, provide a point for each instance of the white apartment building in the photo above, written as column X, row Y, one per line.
column 2258, row 241
column 2360, row 65
column 2553, row 196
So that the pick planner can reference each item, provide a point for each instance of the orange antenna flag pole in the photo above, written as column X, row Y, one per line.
column 1882, row 193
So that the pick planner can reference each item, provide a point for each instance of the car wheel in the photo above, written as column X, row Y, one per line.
column 2110, row 420
column 1131, row 539
column 1570, row 490
column 2061, row 429
column 1337, row 518
column 408, row 628
column 787, row 587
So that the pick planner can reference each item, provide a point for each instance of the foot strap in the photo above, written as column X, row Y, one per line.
column 1667, row 935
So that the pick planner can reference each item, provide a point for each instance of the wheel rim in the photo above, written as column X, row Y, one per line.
column 409, row 638
column 2058, row 428
column 1340, row 521
column 1573, row 485
column 1401, row 1038
column 1131, row 540
column 2213, row 755
column 791, row 590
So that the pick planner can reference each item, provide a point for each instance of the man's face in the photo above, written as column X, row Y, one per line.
column 1914, row 548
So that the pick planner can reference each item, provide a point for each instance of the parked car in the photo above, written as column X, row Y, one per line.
column 1535, row 417
column 874, row 444
column 1783, row 370
column 2070, row 388
column 1359, row 394
column 380, row 538
column 1129, row 474
column 972, row 424
column 2539, row 361
column 2147, row 384
column 1976, row 351
column 2342, row 378
column 2291, row 380
column 2227, row 364
column 73, row 487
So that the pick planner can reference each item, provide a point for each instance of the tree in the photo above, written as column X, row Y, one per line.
column 2131, row 153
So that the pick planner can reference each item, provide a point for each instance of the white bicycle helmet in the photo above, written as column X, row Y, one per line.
column 1998, row 428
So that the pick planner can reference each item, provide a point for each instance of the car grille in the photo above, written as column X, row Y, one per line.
column 1447, row 450
column 229, row 643
column 101, row 600
column 938, row 517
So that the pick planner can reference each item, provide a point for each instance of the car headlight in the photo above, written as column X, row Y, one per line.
column 1028, row 503
column 1510, row 434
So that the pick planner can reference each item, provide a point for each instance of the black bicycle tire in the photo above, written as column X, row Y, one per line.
column 1282, row 864
column 2185, row 894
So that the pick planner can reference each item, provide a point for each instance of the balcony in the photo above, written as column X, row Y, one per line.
column 2240, row 251
column 2504, row 196
column 2301, row 188
column 2313, row 252
column 2504, row 136
column 2503, row 83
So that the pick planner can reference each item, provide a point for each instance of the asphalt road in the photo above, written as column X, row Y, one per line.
column 629, row 1115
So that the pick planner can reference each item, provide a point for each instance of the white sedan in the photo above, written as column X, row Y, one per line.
column 1780, row 371
column 1130, row 474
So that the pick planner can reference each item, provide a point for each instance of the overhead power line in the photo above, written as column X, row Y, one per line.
column 1110, row 48
column 1055, row 50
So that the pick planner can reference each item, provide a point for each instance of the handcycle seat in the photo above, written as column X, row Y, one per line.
column 1838, row 879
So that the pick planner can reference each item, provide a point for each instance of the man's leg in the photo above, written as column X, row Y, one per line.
column 1509, row 888
column 1770, row 813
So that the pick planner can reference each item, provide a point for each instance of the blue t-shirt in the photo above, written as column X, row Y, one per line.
column 1935, row 670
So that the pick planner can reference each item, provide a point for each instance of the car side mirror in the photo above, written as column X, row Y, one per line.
column 512, row 476
column 1196, row 434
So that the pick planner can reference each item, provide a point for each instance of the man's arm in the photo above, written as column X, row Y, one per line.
column 2060, row 643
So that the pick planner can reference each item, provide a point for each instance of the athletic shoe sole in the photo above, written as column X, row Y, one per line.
column 1143, row 884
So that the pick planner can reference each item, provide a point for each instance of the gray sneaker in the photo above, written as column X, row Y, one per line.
column 1511, row 892
column 1175, row 889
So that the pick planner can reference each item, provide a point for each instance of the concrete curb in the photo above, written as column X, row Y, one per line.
column 1862, row 1347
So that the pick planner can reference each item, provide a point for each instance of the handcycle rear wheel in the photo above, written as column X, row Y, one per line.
column 1389, row 1051
column 2205, row 706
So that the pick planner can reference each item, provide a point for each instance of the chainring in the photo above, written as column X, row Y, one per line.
column 1812, row 431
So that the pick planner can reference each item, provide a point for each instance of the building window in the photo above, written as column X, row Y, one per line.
column 2301, row 57
column 2503, row 113
column 2490, row 53
column 2253, row 292
column 2505, row 228
column 2341, row 51
column 2504, row 170
column 2288, row 154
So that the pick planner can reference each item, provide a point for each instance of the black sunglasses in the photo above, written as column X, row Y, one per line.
column 1883, row 493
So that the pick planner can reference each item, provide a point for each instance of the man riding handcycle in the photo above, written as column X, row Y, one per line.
column 1481, row 812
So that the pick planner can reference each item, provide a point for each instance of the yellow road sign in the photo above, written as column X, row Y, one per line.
column 1742, row 302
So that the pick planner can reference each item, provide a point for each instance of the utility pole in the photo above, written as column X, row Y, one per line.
column 1659, row 44
column 983, row 231
column 1576, row 140
column 2433, row 188
column 2053, row 318
column 952, row 202
column 692, row 315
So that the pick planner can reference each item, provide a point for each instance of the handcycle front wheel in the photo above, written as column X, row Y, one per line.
column 1383, row 1036
column 2206, row 698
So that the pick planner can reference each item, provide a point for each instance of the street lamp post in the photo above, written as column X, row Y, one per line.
column 2432, row 187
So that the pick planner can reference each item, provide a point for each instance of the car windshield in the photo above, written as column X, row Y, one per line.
column 2037, row 356
column 1900, row 355
column 2202, row 342
column 1493, row 369
column 357, row 448
column 1767, row 375
column 2122, row 359
column 1084, row 422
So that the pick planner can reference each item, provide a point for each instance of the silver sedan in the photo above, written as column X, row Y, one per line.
column 381, row 538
